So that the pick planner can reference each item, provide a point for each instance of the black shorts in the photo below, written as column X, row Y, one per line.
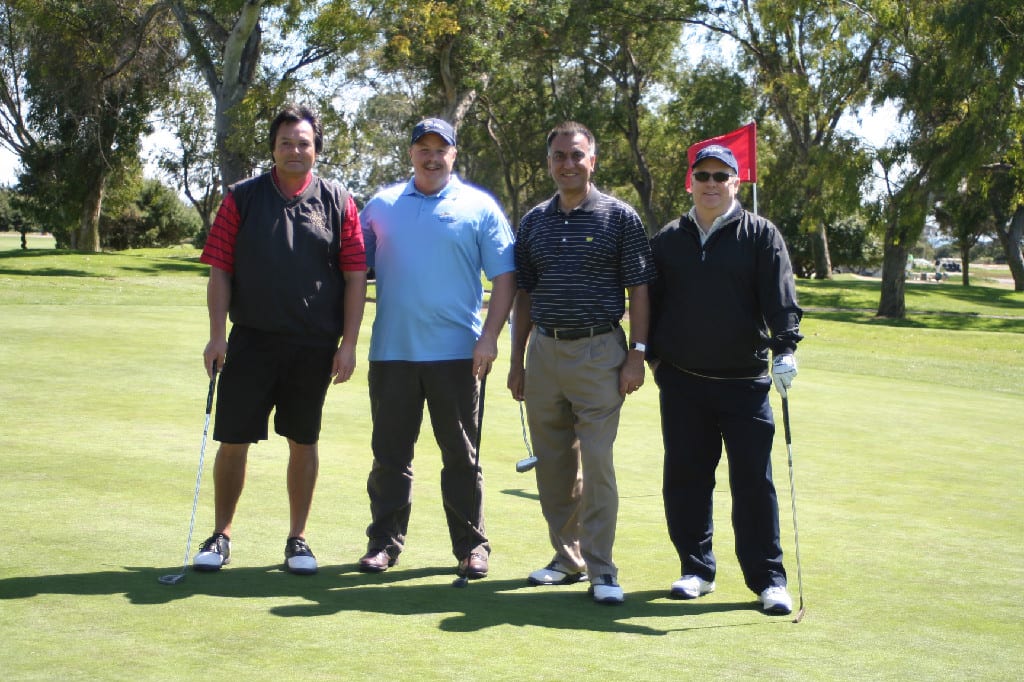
column 264, row 371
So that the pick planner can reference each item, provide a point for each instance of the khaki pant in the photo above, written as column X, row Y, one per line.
column 573, row 406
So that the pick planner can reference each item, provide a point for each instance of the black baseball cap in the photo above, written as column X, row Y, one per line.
column 434, row 125
column 717, row 151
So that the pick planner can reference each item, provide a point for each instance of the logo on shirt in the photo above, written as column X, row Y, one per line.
column 318, row 220
column 446, row 217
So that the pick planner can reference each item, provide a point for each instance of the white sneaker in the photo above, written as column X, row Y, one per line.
column 691, row 587
column 776, row 600
column 606, row 590
column 555, row 574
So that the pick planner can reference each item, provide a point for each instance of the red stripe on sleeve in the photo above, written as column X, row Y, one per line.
column 352, row 255
column 219, row 250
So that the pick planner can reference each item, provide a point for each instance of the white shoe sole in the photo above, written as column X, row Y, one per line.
column 682, row 593
column 551, row 578
column 301, row 565
column 209, row 561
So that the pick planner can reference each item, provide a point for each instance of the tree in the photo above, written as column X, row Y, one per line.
column 227, row 47
column 900, row 214
column 146, row 213
column 1005, row 187
column 954, row 67
column 193, row 167
column 482, row 66
column 965, row 215
column 85, row 127
column 443, row 59
column 505, row 72
column 15, row 26
column 11, row 217
column 842, row 172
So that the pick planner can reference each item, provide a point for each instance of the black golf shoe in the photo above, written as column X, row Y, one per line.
column 213, row 553
column 298, row 558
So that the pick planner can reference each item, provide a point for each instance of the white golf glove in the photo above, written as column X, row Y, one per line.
column 783, row 372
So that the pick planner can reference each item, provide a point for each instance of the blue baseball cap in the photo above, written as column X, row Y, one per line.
column 436, row 126
column 717, row 151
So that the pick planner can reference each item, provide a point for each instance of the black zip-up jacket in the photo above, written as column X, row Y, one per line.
column 718, row 309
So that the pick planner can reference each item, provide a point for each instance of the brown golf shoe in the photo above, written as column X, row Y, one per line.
column 474, row 566
column 376, row 561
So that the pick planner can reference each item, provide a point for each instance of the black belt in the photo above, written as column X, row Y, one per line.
column 570, row 334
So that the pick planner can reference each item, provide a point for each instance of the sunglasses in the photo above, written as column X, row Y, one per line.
column 704, row 176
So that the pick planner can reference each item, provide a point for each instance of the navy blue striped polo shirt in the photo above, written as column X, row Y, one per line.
column 577, row 265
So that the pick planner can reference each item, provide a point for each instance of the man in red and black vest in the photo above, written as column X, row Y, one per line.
column 287, row 264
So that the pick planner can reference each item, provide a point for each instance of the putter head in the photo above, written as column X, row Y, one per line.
column 172, row 579
column 526, row 464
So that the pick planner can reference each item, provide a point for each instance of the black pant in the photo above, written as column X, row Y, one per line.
column 697, row 415
column 397, row 394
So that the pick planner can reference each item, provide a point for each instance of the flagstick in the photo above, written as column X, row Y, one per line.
column 755, row 197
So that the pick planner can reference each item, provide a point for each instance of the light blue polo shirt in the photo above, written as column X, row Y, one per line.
column 428, row 252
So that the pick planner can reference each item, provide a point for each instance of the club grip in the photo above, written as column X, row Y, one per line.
column 213, row 384
column 785, row 420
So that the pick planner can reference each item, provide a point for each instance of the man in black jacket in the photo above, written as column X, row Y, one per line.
column 723, row 299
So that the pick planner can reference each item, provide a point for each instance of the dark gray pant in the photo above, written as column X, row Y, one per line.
column 398, row 391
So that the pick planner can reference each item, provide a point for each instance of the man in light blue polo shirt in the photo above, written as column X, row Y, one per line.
column 428, row 240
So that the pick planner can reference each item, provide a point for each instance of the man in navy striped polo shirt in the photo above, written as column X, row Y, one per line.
column 576, row 253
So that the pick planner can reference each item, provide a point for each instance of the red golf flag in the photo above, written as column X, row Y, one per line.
column 742, row 142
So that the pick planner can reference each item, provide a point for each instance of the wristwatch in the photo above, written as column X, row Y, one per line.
column 642, row 347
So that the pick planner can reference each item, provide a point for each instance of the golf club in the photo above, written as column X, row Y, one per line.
column 526, row 463
column 792, row 497
column 463, row 578
column 175, row 578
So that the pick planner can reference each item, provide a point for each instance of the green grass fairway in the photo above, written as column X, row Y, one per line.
column 907, row 445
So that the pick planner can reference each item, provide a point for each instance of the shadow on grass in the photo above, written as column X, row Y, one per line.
column 337, row 589
column 520, row 492
column 951, row 321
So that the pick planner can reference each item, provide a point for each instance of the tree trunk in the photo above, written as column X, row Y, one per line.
column 645, row 184
column 965, row 264
column 1010, row 238
column 822, row 259
column 89, row 224
column 240, row 54
column 894, row 266
column 233, row 165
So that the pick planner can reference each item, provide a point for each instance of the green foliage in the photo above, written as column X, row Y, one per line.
column 12, row 217
column 193, row 167
column 88, row 126
column 506, row 71
column 954, row 68
column 154, row 216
